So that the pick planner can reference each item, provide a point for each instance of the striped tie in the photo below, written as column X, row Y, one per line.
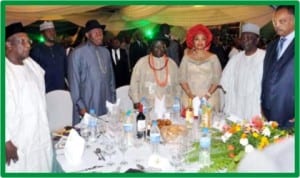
column 279, row 47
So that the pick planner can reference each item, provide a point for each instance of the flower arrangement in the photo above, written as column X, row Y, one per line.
column 244, row 137
column 238, row 139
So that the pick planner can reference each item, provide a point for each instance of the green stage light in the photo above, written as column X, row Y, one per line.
column 41, row 39
column 149, row 34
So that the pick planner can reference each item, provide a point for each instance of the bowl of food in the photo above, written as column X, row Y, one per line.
column 171, row 132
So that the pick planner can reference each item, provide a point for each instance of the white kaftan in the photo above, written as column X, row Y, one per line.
column 241, row 79
column 26, row 123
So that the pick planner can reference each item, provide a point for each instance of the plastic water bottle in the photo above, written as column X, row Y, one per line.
column 146, row 105
column 176, row 108
column 154, row 137
column 92, row 126
column 204, row 145
column 128, row 128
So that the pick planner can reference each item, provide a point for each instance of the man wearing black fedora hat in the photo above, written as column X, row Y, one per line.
column 28, row 145
column 90, row 73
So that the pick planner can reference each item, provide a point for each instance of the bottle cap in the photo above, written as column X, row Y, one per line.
column 154, row 122
column 205, row 130
column 92, row 111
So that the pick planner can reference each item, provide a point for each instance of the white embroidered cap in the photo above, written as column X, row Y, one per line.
column 250, row 27
column 46, row 25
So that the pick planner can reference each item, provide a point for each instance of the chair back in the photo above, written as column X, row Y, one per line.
column 122, row 94
column 59, row 109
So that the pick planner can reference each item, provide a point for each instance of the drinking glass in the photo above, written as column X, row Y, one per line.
column 178, row 153
column 85, row 133
column 137, row 144
column 122, row 145
column 109, row 150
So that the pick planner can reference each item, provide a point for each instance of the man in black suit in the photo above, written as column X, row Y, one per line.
column 172, row 46
column 278, row 97
column 137, row 48
column 120, row 63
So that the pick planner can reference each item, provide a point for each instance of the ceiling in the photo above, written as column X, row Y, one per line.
column 117, row 18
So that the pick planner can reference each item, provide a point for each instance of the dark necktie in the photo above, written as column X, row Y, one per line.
column 116, row 57
column 280, row 46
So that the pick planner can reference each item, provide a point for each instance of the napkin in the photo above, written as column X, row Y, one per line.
column 74, row 147
column 111, row 106
column 158, row 162
column 160, row 107
column 234, row 118
column 86, row 118
column 196, row 105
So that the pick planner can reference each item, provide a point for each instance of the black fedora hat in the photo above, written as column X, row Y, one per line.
column 13, row 29
column 91, row 24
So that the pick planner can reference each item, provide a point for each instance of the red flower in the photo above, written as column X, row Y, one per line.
column 257, row 122
column 231, row 155
column 230, row 147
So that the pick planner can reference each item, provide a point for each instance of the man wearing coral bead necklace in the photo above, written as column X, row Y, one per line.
column 155, row 76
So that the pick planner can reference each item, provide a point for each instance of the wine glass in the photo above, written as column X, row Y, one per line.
column 109, row 150
column 85, row 133
column 122, row 145
column 138, row 142
column 178, row 153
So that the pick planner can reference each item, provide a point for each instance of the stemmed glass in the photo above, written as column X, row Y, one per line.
column 85, row 133
column 137, row 144
column 122, row 145
column 109, row 150
column 178, row 153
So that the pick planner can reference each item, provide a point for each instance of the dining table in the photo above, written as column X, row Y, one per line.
column 103, row 155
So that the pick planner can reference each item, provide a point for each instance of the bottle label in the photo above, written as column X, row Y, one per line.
column 141, row 125
column 154, row 138
column 128, row 127
column 205, row 142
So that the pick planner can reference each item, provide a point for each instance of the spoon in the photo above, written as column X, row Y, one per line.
column 98, row 152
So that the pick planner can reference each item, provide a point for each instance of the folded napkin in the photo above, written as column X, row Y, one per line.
column 234, row 118
column 196, row 105
column 160, row 107
column 86, row 118
column 112, row 106
column 158, row 162
column 74, row 147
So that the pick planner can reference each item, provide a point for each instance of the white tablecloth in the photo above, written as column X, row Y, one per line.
column 133, row 156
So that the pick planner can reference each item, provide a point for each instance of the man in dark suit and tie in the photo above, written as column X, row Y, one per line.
column 120, row 63
column 278, row 97
column 137, row 48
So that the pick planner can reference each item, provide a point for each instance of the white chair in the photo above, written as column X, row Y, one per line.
column 122, row 94
column 59, row 109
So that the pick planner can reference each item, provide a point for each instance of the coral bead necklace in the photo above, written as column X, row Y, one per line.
column 165, row 66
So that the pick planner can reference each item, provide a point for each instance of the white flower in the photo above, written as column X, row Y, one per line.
column 244, row 141
column 226, row 136
column 249, row 148
column 266, row 132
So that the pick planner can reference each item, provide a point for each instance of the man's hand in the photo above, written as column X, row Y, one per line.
column 292, row 120
column 82, row 112
column 11, row 152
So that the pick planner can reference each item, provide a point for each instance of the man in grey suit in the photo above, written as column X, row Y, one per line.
column 278, row 97
column 91, row 75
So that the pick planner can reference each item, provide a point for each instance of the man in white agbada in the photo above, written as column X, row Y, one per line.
column 242, row 76
column 27, row 136
column 155, row 76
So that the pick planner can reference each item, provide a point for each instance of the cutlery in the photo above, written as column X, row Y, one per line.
column 97, row 152
column 91, row 168
column 141, row 167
